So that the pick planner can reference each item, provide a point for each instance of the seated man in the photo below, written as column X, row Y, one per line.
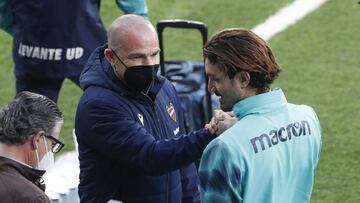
column 29, row 131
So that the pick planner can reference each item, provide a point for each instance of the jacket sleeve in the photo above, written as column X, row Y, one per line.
column 6, row 20
column 112, row 132
column 138, row 7
column 220, row 180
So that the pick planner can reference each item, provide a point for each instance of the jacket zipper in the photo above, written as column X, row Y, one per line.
column 157, row 120
column 162, row 136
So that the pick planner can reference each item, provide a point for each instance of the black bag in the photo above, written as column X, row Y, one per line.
column 189, row 79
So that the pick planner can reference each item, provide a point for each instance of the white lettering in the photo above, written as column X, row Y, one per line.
column 51, row 54
column 70, row 53
column 21, row 51
column 58, row 54
column 79, row 52
column 28, row 50
column 46, row 53
column 74, row 53
column 36, row 53
column 43, row 53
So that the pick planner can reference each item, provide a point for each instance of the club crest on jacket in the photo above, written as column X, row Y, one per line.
column 171, row 111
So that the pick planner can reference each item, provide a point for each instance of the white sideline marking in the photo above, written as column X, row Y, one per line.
column 65, row 173
column 285, row 17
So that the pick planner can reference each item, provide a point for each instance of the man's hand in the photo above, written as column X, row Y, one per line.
column 224, row 120
column 220, row 122
column 212, row 126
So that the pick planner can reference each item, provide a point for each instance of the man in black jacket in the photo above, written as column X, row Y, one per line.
column 129, row 125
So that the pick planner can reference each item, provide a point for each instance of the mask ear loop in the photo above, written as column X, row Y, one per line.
column 118, row 58
column 45, row 145
column 37, row 155
column 115, row 72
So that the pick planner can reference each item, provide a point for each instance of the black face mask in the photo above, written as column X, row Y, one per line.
column 139, row 78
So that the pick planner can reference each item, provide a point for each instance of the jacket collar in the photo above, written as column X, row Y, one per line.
column 261, row 103
column 32, row 174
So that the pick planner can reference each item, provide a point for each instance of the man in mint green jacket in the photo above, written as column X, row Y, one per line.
column 270, row 154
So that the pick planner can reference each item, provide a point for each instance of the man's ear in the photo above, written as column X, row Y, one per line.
column 243, row 78
column 36, row 139
column 109, row 56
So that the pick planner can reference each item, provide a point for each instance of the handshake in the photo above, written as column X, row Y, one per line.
column 220, row 122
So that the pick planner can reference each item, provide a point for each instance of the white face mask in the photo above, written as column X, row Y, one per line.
column 48, row 159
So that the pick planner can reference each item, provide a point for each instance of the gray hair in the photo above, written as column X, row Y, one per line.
column 27, row 114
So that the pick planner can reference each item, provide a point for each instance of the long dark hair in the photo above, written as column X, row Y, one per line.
column 237, row 49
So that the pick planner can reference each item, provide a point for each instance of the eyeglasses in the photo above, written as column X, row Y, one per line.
column 56, row 145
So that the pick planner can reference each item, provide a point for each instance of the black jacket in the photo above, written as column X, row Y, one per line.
column 133, row 147
column 53, row 39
